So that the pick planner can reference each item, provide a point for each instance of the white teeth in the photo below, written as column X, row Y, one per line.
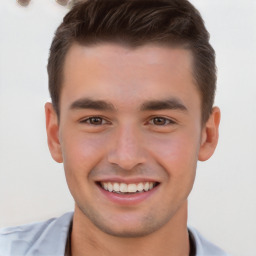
column 140, row 187
column 127, row 188
column 116, row 187
column 146, row 187
column 132, row 188
column 123, row 188
column 105, row 186
column 110, row 187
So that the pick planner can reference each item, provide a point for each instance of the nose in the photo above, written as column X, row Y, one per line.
column 127, row 149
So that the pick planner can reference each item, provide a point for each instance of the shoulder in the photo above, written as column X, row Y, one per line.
column 205, row 247
column 40, row 238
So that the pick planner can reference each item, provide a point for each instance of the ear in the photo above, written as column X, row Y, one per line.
column 210, row 135
column 52, row 129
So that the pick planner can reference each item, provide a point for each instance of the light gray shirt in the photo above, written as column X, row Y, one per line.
column 49, row 238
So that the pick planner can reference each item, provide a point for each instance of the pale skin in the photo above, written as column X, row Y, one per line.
column 130, row 115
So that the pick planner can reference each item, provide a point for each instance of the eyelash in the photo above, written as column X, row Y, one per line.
column 167, row 121
column 103, row 121
column 89, row 120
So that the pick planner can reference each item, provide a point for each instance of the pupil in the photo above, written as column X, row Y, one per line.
column 159, row 121
column 96, row 120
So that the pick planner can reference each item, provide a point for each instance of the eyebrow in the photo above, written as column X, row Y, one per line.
column 172, row 103
column 87, row 103
column 152, row 105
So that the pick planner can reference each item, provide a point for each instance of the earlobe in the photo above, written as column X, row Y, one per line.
column 210, row 135
column 52, row 129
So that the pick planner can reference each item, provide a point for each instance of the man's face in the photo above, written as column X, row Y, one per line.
column 129, row 134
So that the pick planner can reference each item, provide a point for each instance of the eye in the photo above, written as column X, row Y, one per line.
column 161, row 121
column 94, row 120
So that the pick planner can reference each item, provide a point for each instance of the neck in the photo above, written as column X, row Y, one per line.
column 172, row 239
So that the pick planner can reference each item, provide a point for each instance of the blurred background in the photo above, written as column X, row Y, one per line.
column 222, row 205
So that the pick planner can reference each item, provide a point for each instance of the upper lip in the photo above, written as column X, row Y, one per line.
column 127, row 180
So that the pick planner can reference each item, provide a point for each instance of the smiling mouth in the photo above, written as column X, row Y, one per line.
column 131, row 188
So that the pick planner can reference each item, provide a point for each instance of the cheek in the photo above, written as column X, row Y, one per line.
column 176, row 153
column 81, row 152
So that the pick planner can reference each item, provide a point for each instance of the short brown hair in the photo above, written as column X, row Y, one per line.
column 134, row 23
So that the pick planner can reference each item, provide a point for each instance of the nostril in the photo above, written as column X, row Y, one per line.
column 62, row 2
column 23, row 2
column 126, row 160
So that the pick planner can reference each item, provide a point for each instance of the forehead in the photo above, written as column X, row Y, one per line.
column 116, row 55
column 121, row 72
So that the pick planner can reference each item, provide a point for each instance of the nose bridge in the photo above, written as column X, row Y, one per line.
column 127, row 150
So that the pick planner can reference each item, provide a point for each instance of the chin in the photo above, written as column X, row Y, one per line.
column 128, row 226
column 126, row 232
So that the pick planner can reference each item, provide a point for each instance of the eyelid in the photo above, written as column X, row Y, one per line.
column 87, row 119
column 170, row 121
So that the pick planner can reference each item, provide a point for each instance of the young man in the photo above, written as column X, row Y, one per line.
column 132, row 86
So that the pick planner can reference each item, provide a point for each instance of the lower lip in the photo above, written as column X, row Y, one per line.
column 128, row 199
